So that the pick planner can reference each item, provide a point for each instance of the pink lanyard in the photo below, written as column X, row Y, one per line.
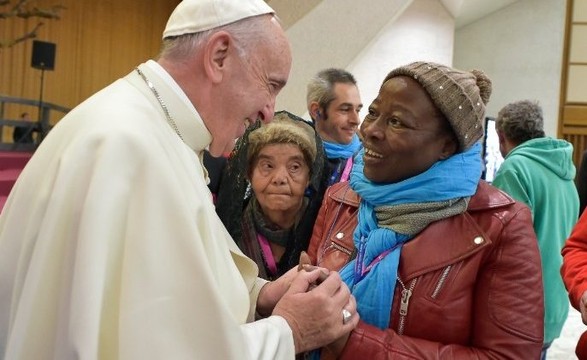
column 267, row 254
column 360, row 270
column 347, row 170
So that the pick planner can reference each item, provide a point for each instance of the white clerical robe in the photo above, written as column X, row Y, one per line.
column 110, row 247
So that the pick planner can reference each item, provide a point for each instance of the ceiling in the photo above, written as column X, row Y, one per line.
column 464, row 11
column 468, row 11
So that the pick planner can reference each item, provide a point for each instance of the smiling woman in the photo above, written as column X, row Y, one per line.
column 434, row 256
column 277, row 171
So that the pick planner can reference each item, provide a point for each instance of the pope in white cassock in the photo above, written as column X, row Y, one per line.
column 110, row 247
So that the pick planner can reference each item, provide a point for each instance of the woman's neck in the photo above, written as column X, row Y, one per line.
column 282, row 219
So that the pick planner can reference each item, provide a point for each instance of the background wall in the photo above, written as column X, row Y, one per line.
column 573, row 110
column 424, row 31
column 521, row 48
column 331, row 34
column 383, row 35
column 96, row 42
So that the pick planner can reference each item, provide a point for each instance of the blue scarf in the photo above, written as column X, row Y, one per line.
column 342, row 151
column 378, row 249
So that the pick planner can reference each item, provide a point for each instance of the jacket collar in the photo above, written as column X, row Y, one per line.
column 442, row 245
column 439, row 242
column 341, row 192
column 488, row 197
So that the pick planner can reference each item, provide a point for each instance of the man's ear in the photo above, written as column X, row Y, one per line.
column 501, row 137
column 315, row 110
column 505, row 145
column 217, row 51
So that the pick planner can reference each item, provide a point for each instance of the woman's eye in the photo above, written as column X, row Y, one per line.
column 394, row 122
column 265, row 166
column 370, row 114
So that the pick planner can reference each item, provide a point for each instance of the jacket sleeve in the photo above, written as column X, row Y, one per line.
column 574, row 269
column 507, row 314
column 317, row 234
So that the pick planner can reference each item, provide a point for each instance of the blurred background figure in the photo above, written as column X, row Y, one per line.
column 214, row 166
column 334, row 103
column 23, row 134
column 538, row 170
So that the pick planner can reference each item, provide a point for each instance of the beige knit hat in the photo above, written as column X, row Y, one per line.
column 286, row 128
column 461, row 96
column 193, row 16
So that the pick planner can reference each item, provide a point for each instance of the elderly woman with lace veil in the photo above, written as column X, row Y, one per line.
column 442, row 264
column 277, row 170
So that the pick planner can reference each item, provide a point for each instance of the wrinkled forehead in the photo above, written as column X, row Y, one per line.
column 290, row 148
column 275, row 52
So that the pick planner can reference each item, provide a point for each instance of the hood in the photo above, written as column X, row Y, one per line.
column 554, row 154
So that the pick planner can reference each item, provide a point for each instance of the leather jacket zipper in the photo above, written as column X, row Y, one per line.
column 339, row 248
column 404, row 303
column 441, row 281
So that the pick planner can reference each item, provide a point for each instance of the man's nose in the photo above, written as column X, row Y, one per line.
column 268, row 112
column 354, row 118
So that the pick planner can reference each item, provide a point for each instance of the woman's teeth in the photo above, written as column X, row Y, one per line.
column 373, row 153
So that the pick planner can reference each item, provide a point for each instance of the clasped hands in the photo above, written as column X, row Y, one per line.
column 311, row 299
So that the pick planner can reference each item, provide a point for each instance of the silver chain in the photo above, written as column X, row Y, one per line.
column 163, row 106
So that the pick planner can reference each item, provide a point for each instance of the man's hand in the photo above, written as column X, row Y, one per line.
column 583, row 307
column 315, row 316
column 273, row 291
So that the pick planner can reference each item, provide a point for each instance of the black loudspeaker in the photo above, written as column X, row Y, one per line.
column 43, row 55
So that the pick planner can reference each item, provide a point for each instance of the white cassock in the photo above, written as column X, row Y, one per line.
column 110, row 247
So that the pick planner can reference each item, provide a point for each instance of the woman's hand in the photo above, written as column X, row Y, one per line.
column 316, row 316
column 273, row 291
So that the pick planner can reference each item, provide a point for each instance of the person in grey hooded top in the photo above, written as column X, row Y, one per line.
column 539, row 171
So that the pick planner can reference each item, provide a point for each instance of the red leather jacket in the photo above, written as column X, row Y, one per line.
column 574, row 272
column 475, row 282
